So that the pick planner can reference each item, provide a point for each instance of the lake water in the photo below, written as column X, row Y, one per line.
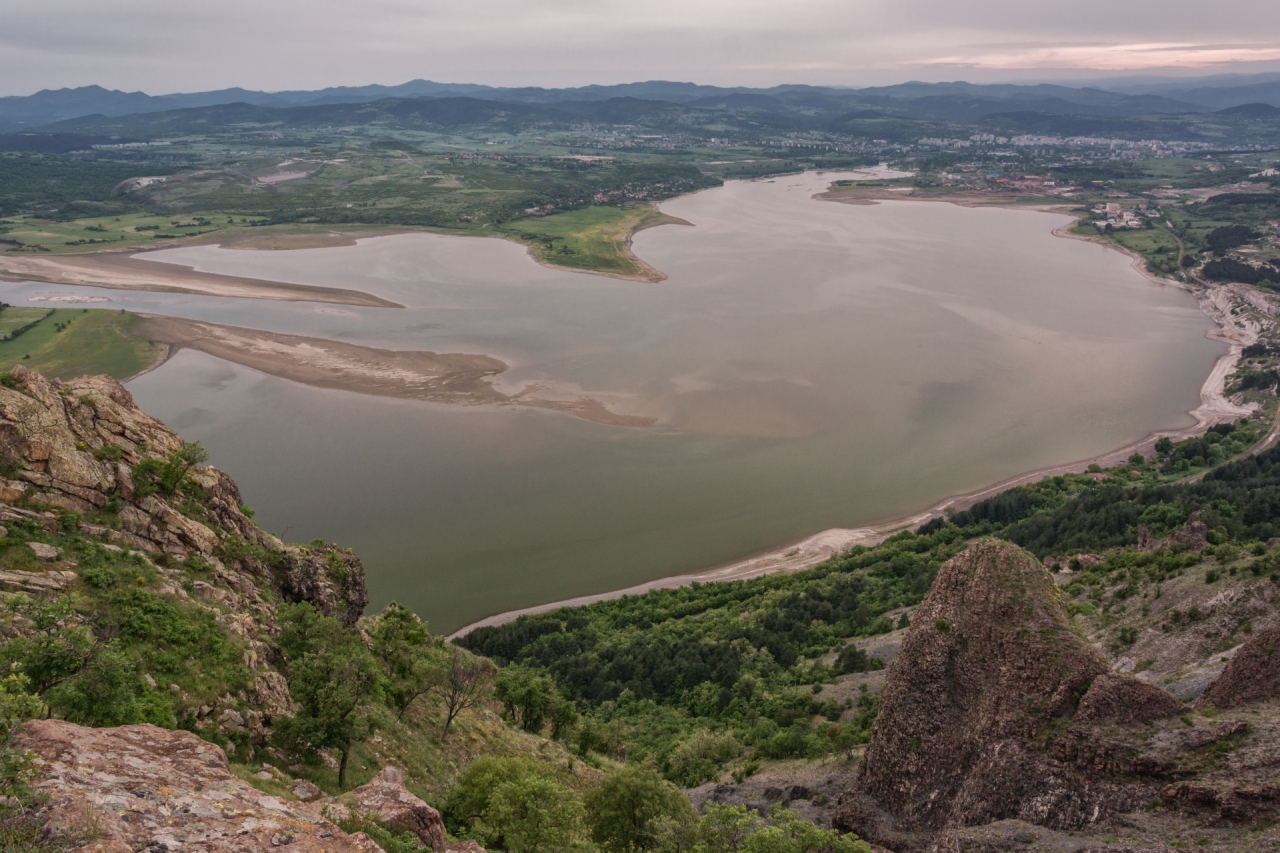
column 812, row 365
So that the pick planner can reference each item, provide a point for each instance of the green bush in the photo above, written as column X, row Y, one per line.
column 630, row 804
column 701, row 756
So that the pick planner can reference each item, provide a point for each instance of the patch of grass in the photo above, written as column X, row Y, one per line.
column 273, row 786
column 72, row 342
column 593, row 239
column 106, row 232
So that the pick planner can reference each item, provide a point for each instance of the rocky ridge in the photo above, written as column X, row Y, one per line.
column 70, row 453
column 1253, row 675
column 1001, row 725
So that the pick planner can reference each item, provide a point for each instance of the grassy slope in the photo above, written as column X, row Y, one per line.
column 431, row 767
column 93, row 341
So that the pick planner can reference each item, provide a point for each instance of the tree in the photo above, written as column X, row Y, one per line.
column 75, row 670
column 465, row 680
column 17, row 766
column 334, row 680
column 527, row 698
column 470, row 798
column 627, row 809
column 791, row 833
column 151, row 475
column 413, row 662
column 725, row 829
column 564, row 718
column 699, row 757
column 534, row 813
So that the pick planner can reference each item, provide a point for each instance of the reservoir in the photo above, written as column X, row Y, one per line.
column 810, row 365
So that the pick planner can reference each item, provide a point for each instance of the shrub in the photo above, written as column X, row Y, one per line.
column 534, row 814
column 700, row 756
column 625, row 811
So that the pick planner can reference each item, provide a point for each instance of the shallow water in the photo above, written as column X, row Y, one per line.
column 812, row 365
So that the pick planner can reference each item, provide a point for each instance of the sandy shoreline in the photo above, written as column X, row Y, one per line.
column 1216, row 303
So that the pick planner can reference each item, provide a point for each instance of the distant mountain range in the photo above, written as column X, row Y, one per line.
column 959, row 101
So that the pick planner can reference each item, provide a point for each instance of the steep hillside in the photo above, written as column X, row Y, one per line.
column 139, row 591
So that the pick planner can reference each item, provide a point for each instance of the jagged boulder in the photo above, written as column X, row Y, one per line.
column 387, row 799
column 146, row 788
column 329, row 577
column 1124, row 699
column 990, row 662
column 1253, row 675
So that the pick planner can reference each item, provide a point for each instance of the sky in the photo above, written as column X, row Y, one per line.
column 177, row 46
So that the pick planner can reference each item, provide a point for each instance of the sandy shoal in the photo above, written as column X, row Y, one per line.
column 123, row 271
column 403, row 374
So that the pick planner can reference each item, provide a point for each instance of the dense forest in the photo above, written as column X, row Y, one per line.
column 43, row 181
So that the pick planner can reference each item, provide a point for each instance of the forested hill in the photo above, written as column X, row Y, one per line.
column 691, row 676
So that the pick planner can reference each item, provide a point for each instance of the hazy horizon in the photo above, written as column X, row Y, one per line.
column 141, row 45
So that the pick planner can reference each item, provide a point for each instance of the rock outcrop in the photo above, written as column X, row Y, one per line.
column 328, row 577
column 387, row 799
column 1252, row 676
column 1124, row 699
column 990, row 666
column 145, row 788
column 75, row 444
column 80, row 447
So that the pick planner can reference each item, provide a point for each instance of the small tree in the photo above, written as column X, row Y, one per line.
column 627, row 810
column 564, row 718
column 725, row 829
column 466, row 678
column 334, row 680
column 17, row 766
column 469, row 800
column 791, row 833
column 534, row 814
column 152, row 475
column 413, row 662
column 527, row 697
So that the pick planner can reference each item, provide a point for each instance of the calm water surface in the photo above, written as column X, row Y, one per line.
column 812, row 365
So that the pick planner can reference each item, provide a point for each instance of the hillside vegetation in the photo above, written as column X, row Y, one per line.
column 703, row 677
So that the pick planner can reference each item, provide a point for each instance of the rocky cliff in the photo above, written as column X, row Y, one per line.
column 997, row 712
column 80, row 461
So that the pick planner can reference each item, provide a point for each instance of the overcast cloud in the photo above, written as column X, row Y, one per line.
column 173, row 46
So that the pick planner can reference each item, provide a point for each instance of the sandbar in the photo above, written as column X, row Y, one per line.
column 403, row 374
column 124, row 271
